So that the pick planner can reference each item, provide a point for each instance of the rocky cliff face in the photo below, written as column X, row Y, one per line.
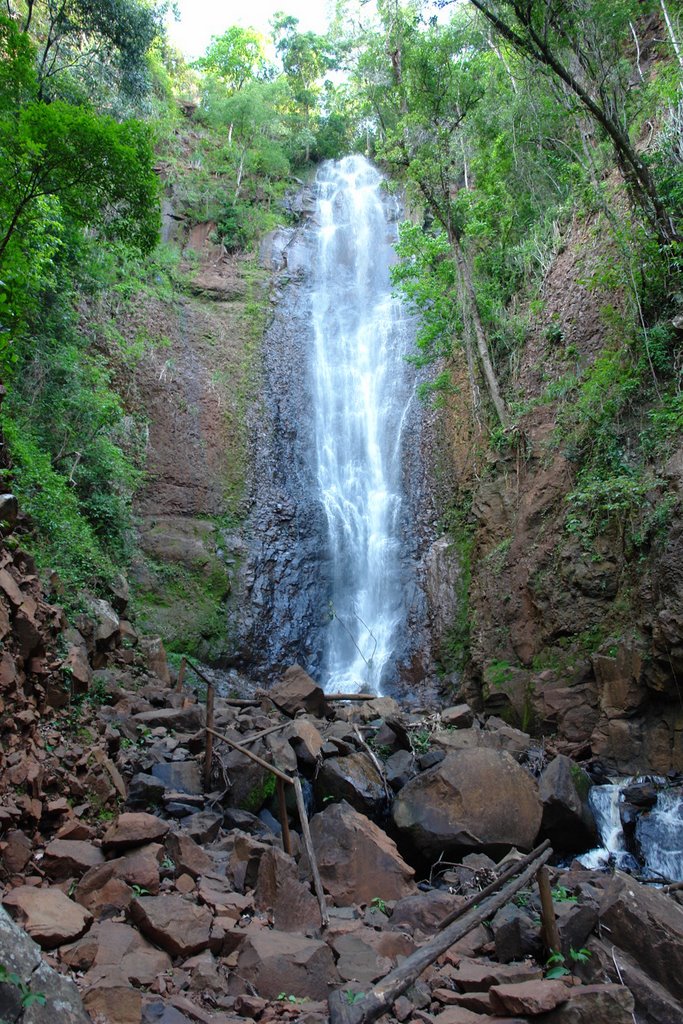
column 574, row 636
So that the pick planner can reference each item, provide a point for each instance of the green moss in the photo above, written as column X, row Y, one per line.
column 581, row 780
column 259, row 795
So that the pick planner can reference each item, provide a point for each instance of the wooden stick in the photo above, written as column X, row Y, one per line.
column 380, row 999
column 350, row 696
column 308, row 843
column 551, row 935
column 265, row 732
column 510, row 872
column 181, row 674
column 284, row 820
column 208, row 753
column 377, row 763
column 253, row 757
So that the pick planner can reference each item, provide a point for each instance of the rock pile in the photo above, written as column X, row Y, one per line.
column 168, row 904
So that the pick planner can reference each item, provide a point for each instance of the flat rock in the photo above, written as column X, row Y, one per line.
column 134, row 828
column 274, row 962
column 178, row 926
column 110, row 944
column 189, row 719
column 473, row 799
column 48, row 916
column 70, row 858
column 356, row 859
column 528, row 997
column 479, row 976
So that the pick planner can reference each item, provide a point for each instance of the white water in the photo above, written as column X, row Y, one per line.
column 659, row 834
column 361, row 395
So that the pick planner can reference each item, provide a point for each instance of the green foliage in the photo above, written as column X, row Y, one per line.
column 28, row 998
column 235, row 57
column 259, row 795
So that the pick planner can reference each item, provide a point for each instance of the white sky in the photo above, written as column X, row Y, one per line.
column 201, row 19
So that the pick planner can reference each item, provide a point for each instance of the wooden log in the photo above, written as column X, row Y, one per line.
column 514, row 868
column 308, row 843
column 208, row 750
column 350, row 696
column 551, row 935
column 381, row 997
column 284, row 820
column 253, row 757
column 265, row 732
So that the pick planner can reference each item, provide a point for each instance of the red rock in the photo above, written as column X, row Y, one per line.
column 48, row 916
column 113, row 1001
column 69, row 858
column 274, row 962
column 134, row 829
column 478, row 976
column 100, row 892
column 460, row 1015
column 187, row 855
column 528, row 997
column 296, row 691
column 294, row 907
column 17, row 852
column 179, row 927
column 356, row 859
column 593, row 1004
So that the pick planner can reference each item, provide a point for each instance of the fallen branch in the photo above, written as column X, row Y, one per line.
column 380, row 999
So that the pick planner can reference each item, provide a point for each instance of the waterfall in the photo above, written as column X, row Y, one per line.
column 361, row 395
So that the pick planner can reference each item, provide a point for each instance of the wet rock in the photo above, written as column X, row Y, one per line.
column 567, row 819
column 353, row 778
column 296, row 691
column 274, row 962
column 134, row 828
column 158, row 1012
column 400, row 768
column 65, row 858
column 179, row 927
column 294, row 907
column 20, row 955
column 357, row 860
column 473, row 799
column 48, row 916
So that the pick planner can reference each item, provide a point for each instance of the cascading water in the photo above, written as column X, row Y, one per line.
column 361, row 393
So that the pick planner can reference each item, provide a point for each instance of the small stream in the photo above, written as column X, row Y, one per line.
column 653, row 848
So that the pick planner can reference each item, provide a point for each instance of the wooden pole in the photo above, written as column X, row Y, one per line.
column 284, row 820
column 253, row 757
column 208, row 752
column 381, row 997
column 551, row 935
column 308, row 843
column 181, row 674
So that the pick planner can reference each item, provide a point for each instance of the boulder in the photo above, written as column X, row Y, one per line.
column 353, row 778
column 357, row 860
column 592, row 1004
column 114, row 1001
column 631, row 912
column 306, row 741
column 459, row 716
column 105, row 621
column 21, row 956
column 567, row 819
column 145, row 790
column 189, row 719
column 473, row 799
column 134, row 828
column 480, row 976
column 100, row 892
column 528, row 997
column 155, row 656
column 48, row 916
column 400, row 768
column 187, row 856
column 68, row 858
column 293, row 905
column 273, row 962
column 422, row 912
column 17, row 852
column 110, row 944
column 179, row 776
column 296, row 691
column 515, row 934
column 179, row 927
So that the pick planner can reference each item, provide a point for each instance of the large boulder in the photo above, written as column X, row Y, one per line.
column 278, row 889
column 296, row 691
column 69, row 858
column 134, row 828
column 567, row 819
column 473, row 799
column 179, row 927
column 648, row 925
column 21, row 956
column 353, row 778
column 356, row 859
column 273, row 962
column 49, row 916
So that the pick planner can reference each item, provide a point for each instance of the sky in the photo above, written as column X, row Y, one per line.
column 201, row 19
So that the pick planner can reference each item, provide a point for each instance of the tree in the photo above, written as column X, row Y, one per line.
column 235, row 57
column 99, row 170
column 581, row 44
